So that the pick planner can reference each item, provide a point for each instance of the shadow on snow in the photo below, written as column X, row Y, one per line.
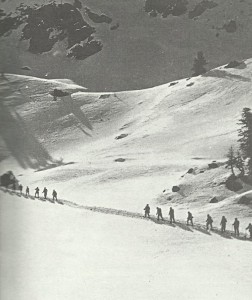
column 18, row 138
column 111, row 211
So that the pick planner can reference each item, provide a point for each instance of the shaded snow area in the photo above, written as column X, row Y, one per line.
column 108, row 155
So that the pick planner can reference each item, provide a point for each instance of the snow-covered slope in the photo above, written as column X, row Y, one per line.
column 162, row 131
column 56, row 252
column 120, row 151
column 181, row 114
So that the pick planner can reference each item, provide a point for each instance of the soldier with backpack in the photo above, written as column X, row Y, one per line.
column 189, row 218
column 20, row 187
column 27, row 191
column 209, row 221
column 45, row 192
column 249, row 228
column 37, row 192
column 223, row 224
column 147, row 211
column 159, row 214
column 171, row 214
column 236, row 225
column 54, row 194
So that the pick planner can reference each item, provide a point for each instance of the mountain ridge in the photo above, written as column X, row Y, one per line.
column 142, row 51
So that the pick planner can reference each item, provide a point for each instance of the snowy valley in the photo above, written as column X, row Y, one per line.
column 107, row 155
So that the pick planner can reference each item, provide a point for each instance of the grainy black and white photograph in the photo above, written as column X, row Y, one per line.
column 125, row 149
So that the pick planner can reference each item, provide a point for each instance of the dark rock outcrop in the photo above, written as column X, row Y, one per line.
column 8, row 179
column 214, row 200
column 230, row 27
column 83, row 51
column 77, row 4
column 190, row 171
column 233, row 64
column 245, row 200
column 233, row 184
column 59, row 93
column 200, row 8
column 114, row 27
column 166, row 7
column 104, row 96
column 47, row 24
column 120, row 159
column 26, row 68
column 121, row 136
column 97, row 18
column 173, row 83
column 175, row 188
column 213, row 165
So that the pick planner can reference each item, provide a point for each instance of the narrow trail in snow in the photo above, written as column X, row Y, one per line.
column 179, row 224
column 111, row 211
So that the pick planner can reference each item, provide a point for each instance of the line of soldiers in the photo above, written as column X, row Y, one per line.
column 209, row 220
column 223, row 223
column 171, row 215
column 45, row 192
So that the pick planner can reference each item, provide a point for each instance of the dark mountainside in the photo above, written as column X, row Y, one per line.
column 116, row 45
column 48, row 24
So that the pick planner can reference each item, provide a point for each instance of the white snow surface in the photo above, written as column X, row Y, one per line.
column 51, row 251
column 55, row 252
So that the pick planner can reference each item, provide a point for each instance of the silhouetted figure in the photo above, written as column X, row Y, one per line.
column 249, row 228
column 159, row 213
column 37, row 192
column 27, row 191
column 223, row 224
column 236, row 227
column 20, row 189
column 45, row 192
column 54, row 194
column 171, row 214
column 209, row 221
column 147, row 211
column 189, row 218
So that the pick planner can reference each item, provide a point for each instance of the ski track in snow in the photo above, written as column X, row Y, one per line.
column 111, row 211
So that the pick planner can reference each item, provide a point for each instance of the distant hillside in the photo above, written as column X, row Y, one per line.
column 122, row 45
column 196, row 115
